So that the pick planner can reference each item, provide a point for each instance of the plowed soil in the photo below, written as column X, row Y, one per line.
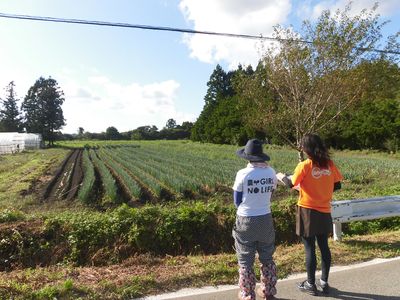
column 67, row 179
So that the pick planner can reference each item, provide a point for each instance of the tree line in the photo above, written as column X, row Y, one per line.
column 171, row 131
column 326, row 78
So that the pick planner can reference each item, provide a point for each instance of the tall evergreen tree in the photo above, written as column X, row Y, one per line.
column 219, row 87
column 221, row 120
column 42, row 108
column 10, row 116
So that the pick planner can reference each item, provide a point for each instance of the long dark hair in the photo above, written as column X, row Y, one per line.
column 316, row 150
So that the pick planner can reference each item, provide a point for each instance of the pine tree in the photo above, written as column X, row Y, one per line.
column 219, row 87
column 10, row 116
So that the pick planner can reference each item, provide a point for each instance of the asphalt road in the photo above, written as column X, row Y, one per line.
column 375, row 280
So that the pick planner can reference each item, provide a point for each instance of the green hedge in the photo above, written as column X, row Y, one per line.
column 104, row 238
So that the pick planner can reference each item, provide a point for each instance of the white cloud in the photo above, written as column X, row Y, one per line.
column 103, row 103
column 386, row 8
column 97, row 102
column 253, row 17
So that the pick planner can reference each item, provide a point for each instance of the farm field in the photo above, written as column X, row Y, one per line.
column 152, row 216
column 139, row 172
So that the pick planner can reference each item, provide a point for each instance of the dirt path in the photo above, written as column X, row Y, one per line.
column 67, row 178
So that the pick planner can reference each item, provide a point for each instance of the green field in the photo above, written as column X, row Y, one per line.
column 175, row 163
column 155, row 216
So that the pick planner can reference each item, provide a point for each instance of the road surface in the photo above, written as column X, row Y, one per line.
column 375, row 280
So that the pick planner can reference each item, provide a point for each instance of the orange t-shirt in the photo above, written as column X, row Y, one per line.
column 316, row 184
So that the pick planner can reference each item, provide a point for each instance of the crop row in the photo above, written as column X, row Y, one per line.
column 87, row 185
column 107, row 179
column 202, row 170
column 152, row 184
column 131, row 187
column 161, row 170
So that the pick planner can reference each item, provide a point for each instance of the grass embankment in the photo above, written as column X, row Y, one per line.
column 144, row 274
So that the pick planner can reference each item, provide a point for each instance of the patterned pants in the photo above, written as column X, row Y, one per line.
column 255, row 234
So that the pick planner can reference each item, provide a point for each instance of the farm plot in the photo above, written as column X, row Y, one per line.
column 168, row 173
column 163, row 170
column 111, row 174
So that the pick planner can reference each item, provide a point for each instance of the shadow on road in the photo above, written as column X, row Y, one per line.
column 345, row 295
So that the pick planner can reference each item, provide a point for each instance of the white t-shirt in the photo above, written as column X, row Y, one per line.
column 256, row 181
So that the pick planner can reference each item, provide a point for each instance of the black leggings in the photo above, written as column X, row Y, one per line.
column 311, row 259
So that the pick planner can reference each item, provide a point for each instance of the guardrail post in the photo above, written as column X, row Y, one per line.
column 337, row 231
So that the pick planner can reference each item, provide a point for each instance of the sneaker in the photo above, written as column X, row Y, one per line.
column 307, row 288
column 324, row 287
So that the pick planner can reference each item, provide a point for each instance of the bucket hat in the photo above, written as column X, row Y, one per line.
column 253, row 151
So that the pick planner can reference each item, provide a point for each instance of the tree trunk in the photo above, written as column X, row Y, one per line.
column 300, row 155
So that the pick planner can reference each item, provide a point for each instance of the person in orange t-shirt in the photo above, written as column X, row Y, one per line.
column 316, row 178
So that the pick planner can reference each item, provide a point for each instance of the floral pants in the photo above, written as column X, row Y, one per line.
column 247, row 282
column 255, row 235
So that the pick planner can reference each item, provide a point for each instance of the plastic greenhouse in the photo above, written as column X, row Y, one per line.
column 12, row 142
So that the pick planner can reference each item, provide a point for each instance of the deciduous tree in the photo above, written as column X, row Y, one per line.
column 112, row 133
column 81, row 131
column 171, row 124
column 313, row 73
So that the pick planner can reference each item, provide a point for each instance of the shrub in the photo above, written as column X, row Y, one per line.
column 176, row 229
column 371, row 226
column 284, row 214
column 11, row 215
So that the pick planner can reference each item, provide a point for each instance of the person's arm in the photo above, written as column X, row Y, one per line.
column 284, row 179
column 237, row 198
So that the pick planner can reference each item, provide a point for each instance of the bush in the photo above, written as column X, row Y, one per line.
column 11, row 215
column 284, row 214
column 371, row 226
column 392, row 145
column 176, row 229
column 181, row 228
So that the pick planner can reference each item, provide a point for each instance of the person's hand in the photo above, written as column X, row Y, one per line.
column 296, row 187
column 280, row 176
column 285, row 179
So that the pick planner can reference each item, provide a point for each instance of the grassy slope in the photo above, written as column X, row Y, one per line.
column 144, row 275
column 366, row 175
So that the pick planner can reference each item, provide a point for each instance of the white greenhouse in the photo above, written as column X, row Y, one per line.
column 12, row 142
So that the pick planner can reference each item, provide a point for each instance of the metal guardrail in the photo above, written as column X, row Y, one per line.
column 362, row 209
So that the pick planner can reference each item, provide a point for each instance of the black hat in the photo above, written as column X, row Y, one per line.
column 253, row 151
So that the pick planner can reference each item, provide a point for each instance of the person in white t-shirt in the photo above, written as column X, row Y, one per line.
column 254, row 228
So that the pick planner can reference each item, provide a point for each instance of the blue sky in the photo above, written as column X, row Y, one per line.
column 129, row 77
